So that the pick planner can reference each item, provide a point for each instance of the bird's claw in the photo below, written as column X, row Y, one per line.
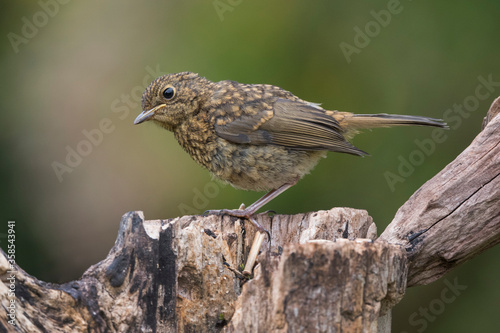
column 211, row 212
column 242, row 214
column 231, row 212
column 270, row 212
column 262, row 230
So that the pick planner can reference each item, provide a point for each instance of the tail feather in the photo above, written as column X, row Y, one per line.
column 361, row 121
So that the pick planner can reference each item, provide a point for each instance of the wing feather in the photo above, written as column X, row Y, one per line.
column 292, row 124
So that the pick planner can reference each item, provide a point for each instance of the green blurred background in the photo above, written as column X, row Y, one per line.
column 88, row 62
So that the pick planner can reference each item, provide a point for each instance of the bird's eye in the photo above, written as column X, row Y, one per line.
column 169, row 93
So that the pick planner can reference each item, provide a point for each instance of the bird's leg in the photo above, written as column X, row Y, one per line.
column 253, row 208
column 248, row 212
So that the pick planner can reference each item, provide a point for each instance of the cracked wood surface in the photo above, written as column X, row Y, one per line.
column 322, row 286
column 178, row 275
column 455, row 215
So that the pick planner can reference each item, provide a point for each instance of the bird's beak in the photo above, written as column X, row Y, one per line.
column 146, row 114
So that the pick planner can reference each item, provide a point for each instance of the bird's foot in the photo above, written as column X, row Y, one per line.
column 240, row 213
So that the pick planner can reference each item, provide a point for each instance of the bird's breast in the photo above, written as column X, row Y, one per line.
column 261, row 167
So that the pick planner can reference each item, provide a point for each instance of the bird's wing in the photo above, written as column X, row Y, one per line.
column 287, row 123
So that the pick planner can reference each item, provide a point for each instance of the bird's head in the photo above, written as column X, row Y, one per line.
column 172, row 98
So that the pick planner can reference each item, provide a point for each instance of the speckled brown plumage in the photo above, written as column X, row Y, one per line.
column 254, row 136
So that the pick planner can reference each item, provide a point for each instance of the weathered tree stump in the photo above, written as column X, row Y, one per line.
column 320, row 271
column 179, row 274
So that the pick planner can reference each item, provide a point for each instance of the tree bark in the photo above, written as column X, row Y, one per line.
column 322, row 286
column 182, row 275
column 455, row 215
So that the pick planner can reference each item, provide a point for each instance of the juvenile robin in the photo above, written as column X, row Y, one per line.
column 256, row 137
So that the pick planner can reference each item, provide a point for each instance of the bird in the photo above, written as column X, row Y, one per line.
column 256, row 137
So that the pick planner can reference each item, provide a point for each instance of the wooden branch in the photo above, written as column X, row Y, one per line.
column 455, row 215
column 493, row 111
